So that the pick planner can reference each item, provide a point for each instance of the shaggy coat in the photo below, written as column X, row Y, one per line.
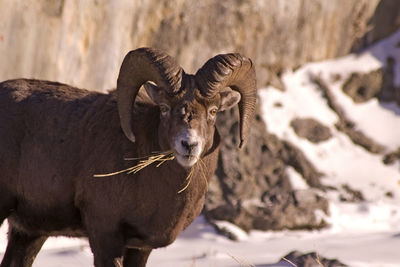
column 54, row 138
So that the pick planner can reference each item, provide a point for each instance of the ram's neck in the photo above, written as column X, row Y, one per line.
column 145, row 128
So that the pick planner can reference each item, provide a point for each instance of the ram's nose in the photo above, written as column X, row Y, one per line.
column 189, row 145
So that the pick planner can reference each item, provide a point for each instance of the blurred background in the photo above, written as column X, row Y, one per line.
column 324, row 152
column 83, row 42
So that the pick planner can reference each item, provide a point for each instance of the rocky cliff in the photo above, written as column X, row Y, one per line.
column 83, row 42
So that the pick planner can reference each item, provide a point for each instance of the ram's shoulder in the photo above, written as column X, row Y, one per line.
column 20, row 89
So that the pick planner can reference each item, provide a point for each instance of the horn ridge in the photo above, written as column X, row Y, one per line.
column 235, row 71
column 139, row 66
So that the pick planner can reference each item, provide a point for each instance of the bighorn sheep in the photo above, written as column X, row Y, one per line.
column 54, row 138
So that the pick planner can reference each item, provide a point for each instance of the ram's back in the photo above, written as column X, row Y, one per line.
column 41, row 135
column 36, row 115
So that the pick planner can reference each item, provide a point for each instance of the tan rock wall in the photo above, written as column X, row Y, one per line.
column 83, row 42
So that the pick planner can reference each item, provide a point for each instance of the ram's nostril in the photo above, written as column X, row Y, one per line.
column 189, row 146
column 185, row 144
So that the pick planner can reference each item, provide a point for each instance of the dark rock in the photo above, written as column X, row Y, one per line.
column 252, row 189
column 389, row 194
column 358, row 137
column 311, row 129
column 378, row 83
column 311, row 259
column 391, row 157
column 363, row 87
column 351, row 195
column 384, row 22
column 327, row 94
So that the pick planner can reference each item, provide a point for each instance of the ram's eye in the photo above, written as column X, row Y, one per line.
column 213, row 111
column 164, row 109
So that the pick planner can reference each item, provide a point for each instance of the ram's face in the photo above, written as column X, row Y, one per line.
column 187, row 122
column 188, row 103
column 190, row 125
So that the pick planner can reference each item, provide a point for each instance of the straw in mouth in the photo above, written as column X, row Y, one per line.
column 160, row 157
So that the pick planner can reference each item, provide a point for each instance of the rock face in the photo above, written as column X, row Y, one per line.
column 83, row 42
column 384, row 22
column 389, row 91
column 252, row 188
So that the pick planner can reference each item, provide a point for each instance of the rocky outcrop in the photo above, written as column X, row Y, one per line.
column 344, row 124
column 361, row 87
column 252, row 188
column 83, row 42
column 311, row 129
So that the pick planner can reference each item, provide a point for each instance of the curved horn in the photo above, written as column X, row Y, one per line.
column 139, row 66
column 237, row 72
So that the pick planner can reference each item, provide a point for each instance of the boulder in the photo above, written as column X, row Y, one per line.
column 391, row 157
column 311, row 129
column 363, row 87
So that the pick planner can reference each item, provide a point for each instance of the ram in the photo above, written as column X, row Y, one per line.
column 55, row 138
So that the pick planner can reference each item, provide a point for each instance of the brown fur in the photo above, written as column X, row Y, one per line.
column 53, row 139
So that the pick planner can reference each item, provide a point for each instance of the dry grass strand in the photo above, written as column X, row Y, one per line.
column 160, row 157
column 289, row 261
column 188, row 179
column 242, row 262
column 202, row 167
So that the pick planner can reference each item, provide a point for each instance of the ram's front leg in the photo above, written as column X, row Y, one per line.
column 107, row 248
column 21, row 249
column 105, row 239
column 136, row 257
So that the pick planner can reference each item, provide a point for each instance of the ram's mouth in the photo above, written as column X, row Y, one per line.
column 186, row 160
column 189, row 157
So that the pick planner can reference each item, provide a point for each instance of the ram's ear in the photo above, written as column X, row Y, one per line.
column 229, row 99
column 153, row 92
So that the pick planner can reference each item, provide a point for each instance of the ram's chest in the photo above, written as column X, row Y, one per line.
column 165, row 215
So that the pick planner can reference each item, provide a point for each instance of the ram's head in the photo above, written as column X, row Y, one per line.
column 188, row 103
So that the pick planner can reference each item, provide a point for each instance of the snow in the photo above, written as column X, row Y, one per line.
column 296, row 180
column 363, row 234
